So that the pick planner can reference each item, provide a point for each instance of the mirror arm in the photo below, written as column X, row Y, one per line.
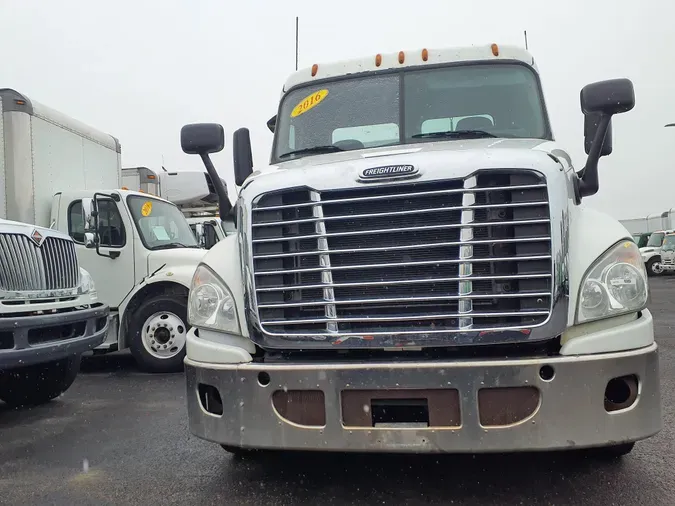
column 588, row 182
column 224, row 205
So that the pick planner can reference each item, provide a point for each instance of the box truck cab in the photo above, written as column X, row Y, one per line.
column 414, row 270
column 194, row 194
column 138, row 248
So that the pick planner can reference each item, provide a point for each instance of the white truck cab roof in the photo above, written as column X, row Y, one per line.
column 410, row 58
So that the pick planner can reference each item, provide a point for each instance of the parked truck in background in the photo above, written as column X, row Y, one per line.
column 194, row 194
column 138, row 248
column 49, row 310
column 414, row 271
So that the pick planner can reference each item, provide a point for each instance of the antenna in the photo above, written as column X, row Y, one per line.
column 525, row 34
column 296, row 41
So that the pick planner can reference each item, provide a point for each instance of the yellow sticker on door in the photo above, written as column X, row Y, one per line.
column 146, row 209
column 309, row 102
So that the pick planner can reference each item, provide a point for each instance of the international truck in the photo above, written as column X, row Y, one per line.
column 193, row 193
column 413, row 270
column 50, row 313
column 138, row 248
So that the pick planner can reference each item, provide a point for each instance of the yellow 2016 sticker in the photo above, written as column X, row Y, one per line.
column 308, row 102
column 146, row 209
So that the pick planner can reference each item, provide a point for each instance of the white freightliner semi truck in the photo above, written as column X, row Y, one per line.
column 138, row 248
column 49, row 310
column 193, row 193
column 413, row 271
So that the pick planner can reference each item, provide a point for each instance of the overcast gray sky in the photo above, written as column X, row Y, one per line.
column 141, row 69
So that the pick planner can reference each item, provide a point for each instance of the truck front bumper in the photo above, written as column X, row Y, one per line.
column 34, row 339
column 431, row 406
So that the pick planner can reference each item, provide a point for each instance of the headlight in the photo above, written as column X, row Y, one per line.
column 211, row 304
column 616, row 284
column 86, row 283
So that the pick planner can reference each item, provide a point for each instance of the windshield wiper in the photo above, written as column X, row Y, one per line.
column 314, row 149
column 455, row 134
column 173, row 245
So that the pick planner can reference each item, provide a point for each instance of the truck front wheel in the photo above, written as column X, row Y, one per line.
column 38, row 384
column 654, row 267
column 158, row 330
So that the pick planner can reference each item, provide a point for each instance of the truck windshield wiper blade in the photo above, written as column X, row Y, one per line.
column 314, row 149
column 172, row 245
column 455, row 134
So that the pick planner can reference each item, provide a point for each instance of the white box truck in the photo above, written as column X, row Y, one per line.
column 138, row 248
column 49, row 310
column 414, row 271
column 194, row 194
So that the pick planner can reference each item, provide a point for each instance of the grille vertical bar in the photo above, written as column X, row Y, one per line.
column 466, row 253
column 324, row 262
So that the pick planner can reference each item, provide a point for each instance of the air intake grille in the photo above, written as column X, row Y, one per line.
column 25, row 267
column 415, row 258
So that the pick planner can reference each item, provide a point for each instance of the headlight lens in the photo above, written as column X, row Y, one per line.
column 86, row 283
column 211, row 304
column 616, row 284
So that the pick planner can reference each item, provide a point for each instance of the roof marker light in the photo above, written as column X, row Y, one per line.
column 495, row 49
column 401, row 56
column 378, row 60
column 315, row 69
column 425, row 54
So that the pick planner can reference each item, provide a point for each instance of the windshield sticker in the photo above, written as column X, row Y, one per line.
column 160, row 233
column 146, row 209
column 307, row 103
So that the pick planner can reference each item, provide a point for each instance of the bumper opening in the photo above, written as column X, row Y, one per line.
column 302, row 407
column 500, row 407
column 621, row 393
column 210, row 399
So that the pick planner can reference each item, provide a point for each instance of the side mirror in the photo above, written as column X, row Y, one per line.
column 610, row 97
column 199, row 232
column 599, row 102
column 89, row 240
column 243, row 158
column 591, row 123
column 202, row 138
column 272, row 123
column 89, row 214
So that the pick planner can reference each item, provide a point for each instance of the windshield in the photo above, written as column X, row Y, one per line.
column 655, row 240
column 410, row 106
column 669, row 242
column 160, row 224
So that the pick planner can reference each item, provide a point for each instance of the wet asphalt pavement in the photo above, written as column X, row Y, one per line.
column 119, row 437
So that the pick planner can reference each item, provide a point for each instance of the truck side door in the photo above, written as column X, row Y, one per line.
column 114, row 277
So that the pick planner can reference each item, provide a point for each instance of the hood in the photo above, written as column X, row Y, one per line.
column 437, row 160
column 174, row 257
column 648, row 249
column 16, row 227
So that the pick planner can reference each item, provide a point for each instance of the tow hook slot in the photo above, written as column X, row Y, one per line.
column 397, row 413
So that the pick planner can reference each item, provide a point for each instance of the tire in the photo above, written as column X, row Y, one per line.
column 654, row 267
column 39, row 383
column 613, row 452
column 157, row 332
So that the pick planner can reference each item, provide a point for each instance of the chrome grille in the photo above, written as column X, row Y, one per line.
column 26, row 267
column 421, row 258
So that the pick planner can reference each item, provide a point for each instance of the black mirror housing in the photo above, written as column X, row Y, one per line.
column 613, row 96
column 272, row 123
column 202, row 138
column 243, row 158
column 591, row 123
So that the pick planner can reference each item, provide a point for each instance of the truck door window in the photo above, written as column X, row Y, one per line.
column 110, row 226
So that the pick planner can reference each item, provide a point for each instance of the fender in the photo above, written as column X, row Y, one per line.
column 177, row 276
column 650, row 254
